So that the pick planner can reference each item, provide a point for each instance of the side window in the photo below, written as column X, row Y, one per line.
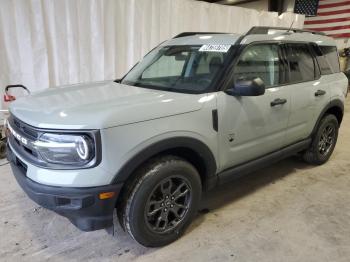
column 324, row 65
column 261, row 60
column 301, row 63
column 330, row 54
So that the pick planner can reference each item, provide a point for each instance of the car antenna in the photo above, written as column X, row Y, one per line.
column 290, row 26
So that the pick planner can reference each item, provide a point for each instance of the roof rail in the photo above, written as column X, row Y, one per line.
column 196, row 33
column 262, row 30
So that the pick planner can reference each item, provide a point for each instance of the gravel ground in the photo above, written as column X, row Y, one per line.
column 288, row 212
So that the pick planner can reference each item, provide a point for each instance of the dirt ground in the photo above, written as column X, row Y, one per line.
column 288, row 212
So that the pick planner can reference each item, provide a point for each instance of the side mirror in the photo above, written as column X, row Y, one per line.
column 255, row 87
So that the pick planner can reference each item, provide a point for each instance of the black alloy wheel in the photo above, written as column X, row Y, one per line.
column 168, row 204
column 327, row 139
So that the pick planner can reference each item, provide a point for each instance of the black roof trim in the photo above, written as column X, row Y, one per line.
column 183, row 34
column 255, row 30
column 262, row 30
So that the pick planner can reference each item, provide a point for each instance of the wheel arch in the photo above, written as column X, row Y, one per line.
column 335, row 107
column 190, row 149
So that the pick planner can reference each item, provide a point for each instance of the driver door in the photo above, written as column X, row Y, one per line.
column 253, row 126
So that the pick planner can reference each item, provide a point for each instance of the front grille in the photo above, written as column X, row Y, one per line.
column 25, row 128
column 26, row 151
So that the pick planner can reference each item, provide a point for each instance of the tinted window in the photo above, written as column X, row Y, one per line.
column 259, row 61
column 301, row 63
column 323, row 64
column 331, row 56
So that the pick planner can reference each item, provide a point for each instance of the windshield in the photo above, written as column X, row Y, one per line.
column 188, row 69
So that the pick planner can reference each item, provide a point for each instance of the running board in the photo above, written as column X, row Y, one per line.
column 246, row 168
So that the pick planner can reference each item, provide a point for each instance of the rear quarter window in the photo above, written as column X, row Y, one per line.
column 328, row 61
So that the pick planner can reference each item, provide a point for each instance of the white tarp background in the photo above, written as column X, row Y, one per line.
column 54, row 42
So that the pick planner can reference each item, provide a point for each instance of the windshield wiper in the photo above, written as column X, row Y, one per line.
column 162, row 88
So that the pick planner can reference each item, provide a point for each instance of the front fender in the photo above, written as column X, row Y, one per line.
column 166, row 144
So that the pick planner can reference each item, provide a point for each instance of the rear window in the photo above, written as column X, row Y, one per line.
column 328, row 61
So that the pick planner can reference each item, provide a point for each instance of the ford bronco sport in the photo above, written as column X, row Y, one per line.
column 199, row 110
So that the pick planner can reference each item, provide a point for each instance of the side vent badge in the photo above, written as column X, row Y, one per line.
column 231, row 137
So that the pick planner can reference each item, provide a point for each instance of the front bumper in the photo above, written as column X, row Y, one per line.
column 82, row 206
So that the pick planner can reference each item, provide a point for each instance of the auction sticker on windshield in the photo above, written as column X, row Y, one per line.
column 214, row 48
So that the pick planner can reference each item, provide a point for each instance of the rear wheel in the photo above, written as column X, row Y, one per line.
column 161, row 201
column 2, row 149
column 324, row 141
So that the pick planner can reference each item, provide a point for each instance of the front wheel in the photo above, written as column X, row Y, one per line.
column 323, row 142
column 161, row 201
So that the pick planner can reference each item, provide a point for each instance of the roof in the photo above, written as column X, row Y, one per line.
column 254, row 35
column 290, row 37
column 203, row 39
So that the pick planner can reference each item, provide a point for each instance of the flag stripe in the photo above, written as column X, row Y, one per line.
column 345, row 35
column 331, row 9
column 332, row 28
column 330, row 5
column 329, row 1
column 344, row 11
column 327, row 21
column 326, row 17
column 312, row 26
column 331, row 32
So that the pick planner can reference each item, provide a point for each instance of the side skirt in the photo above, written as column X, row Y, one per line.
column 246, row 168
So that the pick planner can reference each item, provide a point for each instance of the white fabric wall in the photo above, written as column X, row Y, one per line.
column 54, row 42
column 342, row 43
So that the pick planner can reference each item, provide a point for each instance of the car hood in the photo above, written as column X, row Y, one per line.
column 100, row 105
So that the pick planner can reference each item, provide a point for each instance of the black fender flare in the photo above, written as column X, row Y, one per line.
column 334, row 103
column 167, row 144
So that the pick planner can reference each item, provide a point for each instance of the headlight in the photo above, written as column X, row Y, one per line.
column 65, row 149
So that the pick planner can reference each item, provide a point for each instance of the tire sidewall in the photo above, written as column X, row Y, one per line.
column 2, row 149
column 325, row 121
column 136, row 224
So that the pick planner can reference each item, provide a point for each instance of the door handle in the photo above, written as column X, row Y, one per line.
column 278, row 101
column 320, row 93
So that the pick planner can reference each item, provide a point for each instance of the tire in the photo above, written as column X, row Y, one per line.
column 318, row 154
column 2, row 149
column 149, row 201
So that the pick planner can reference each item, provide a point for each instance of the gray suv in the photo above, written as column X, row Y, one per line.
column 197, row 111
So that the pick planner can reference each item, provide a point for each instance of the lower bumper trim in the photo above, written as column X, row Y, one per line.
column 81, row 206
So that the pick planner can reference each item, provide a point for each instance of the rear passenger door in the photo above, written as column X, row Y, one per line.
column 307, row 90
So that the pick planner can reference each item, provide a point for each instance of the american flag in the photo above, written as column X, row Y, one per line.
column 329, row 16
